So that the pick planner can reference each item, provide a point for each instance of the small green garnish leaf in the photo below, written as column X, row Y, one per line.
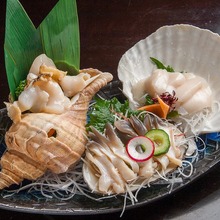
column 172, row 114
column 20, row 87
column 149, row 100
column 105, row 111
column 160, row 65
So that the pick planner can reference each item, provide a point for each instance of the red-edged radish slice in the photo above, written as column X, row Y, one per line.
column 140, row 148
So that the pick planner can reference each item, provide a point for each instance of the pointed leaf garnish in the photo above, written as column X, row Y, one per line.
column 57, row 36
column 60, row 36
column 21, row 44
column 160, row 65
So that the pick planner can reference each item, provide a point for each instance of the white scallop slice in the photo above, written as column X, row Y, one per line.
column 185, row 48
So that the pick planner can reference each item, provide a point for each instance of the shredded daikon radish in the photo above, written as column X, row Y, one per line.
column 67, row 185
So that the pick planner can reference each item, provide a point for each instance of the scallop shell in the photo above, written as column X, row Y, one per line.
column 185, row 48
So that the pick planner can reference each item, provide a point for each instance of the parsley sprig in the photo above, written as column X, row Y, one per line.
column 104, row 111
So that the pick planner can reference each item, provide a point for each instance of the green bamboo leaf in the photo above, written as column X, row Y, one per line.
column 57, row 37
column 60, row 36
column 20, row 45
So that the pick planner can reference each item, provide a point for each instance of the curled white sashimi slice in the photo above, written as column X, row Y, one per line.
column 49, row 89
column 71, row 85
column 39, row 61
column 147, row 169
column 193, row 92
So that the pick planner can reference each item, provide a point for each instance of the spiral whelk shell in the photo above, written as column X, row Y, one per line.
column 42, row 141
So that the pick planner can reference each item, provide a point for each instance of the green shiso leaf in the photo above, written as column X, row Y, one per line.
column 59, row 33
column 57, row 36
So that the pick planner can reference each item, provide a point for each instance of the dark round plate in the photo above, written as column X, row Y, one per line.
column 81, row 205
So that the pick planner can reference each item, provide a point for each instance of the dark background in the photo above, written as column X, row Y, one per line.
column 107, row 30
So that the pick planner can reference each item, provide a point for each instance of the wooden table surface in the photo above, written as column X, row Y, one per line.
column 107, row 30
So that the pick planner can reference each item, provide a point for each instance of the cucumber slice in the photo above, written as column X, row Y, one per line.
column 161, row 141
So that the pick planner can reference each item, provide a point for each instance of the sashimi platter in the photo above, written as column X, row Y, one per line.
column 74, row 139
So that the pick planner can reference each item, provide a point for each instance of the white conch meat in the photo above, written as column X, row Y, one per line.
column 185, row 48
column 49, row 89
column 41, row 141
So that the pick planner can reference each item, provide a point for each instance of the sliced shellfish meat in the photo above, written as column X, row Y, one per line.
column 184, row 47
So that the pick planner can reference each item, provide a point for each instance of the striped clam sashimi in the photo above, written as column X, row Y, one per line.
column 107, row 167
